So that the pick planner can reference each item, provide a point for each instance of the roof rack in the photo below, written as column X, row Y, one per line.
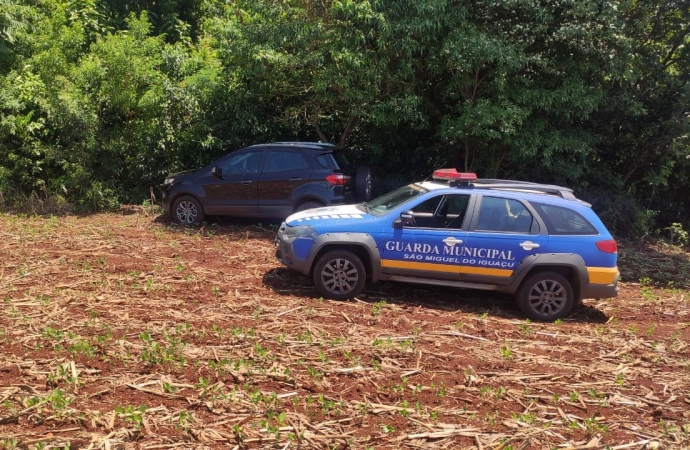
column 469, row 180
column 319, row 145
column 560, row 191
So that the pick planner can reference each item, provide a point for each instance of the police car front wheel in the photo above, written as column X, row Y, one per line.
column 339, row 274
column 546, row 296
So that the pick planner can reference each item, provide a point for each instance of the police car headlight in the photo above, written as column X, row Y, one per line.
column 168, row 181
column 301, row 231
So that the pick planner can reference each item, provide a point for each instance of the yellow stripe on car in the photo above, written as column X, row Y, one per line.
column 602, row 275
column 448, row 268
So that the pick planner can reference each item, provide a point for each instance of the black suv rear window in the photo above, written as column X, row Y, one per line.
column 326, row 161
column 337, row 160
column 344, row 162
column 561, row 220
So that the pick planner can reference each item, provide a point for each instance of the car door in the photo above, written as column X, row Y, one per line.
column 432, row 245
column 503, row 232
column 283, row 171
column 233, row 188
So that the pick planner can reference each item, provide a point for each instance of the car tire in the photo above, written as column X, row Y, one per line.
column 363, row 184
column 339, row 274
column 307, row 205
column 545, row 296
column 187, row 211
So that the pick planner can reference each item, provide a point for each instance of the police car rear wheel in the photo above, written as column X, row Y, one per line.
column 545, row 296
column 339, row 274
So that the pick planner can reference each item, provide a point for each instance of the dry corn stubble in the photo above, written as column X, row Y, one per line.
column 121, row 330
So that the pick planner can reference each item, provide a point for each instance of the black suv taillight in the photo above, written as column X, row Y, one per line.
column 607, row 246
column 338, row 179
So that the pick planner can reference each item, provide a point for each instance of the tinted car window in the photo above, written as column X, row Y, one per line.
column 242, row 163
column 424, row 213
column 326, row 161
column 334, row 160
column 503, row 214
column 560, row 220
column 280, row 161
column 343, row 161
column 428, row 206
column 448, row 211
column 453, row 211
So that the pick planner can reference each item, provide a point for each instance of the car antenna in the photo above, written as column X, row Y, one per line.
column 432, row 172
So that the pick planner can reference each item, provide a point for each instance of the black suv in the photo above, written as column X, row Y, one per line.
column 267, row 180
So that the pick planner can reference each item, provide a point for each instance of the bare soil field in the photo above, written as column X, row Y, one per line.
column 123, row 332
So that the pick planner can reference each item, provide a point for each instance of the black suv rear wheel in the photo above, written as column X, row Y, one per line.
column 363, row 183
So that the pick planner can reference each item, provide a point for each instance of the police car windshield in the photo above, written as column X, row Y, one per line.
column 383, row 205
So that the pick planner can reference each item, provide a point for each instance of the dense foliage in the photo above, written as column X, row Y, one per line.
column 100, row 99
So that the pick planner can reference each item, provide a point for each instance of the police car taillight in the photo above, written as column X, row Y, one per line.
column 338, row 179
column 607, row 246
column 454, row 175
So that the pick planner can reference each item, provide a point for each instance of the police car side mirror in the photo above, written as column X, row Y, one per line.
column 406, row 219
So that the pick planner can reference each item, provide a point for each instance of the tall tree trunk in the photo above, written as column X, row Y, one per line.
column 320, row 132
column 342, row 142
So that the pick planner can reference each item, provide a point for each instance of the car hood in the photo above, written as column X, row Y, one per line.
column 328, row 214
column 178, row 174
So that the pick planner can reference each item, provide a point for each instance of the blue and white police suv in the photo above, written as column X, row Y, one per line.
column 537, row 242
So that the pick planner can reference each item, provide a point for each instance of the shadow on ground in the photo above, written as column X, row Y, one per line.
column 286, row 282
column 222, row 225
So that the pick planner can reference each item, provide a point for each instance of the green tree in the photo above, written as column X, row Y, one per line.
column 643, row 127
column 99, row 100
column 519, row 79
column 311, row 68
column 95, row 122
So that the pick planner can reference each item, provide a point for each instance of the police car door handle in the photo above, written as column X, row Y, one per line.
column 245, row 182
column 529, row 245
column 452, row 241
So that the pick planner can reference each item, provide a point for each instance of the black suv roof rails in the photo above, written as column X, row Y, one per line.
column 314, row 145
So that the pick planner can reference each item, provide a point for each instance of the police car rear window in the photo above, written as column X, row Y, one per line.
column 564, row 221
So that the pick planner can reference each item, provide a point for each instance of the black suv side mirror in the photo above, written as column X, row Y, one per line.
column 217, row 172
column 406, row 220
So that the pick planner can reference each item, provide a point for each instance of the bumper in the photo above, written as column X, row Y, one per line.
column 166, row 201
column 286, row 254
column 602, row 290
column 344, row 199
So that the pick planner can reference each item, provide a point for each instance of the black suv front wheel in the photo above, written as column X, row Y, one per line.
column 545, row 296
column 187, row 211
column 339, row 274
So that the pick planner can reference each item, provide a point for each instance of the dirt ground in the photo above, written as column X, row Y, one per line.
column 121, row 331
